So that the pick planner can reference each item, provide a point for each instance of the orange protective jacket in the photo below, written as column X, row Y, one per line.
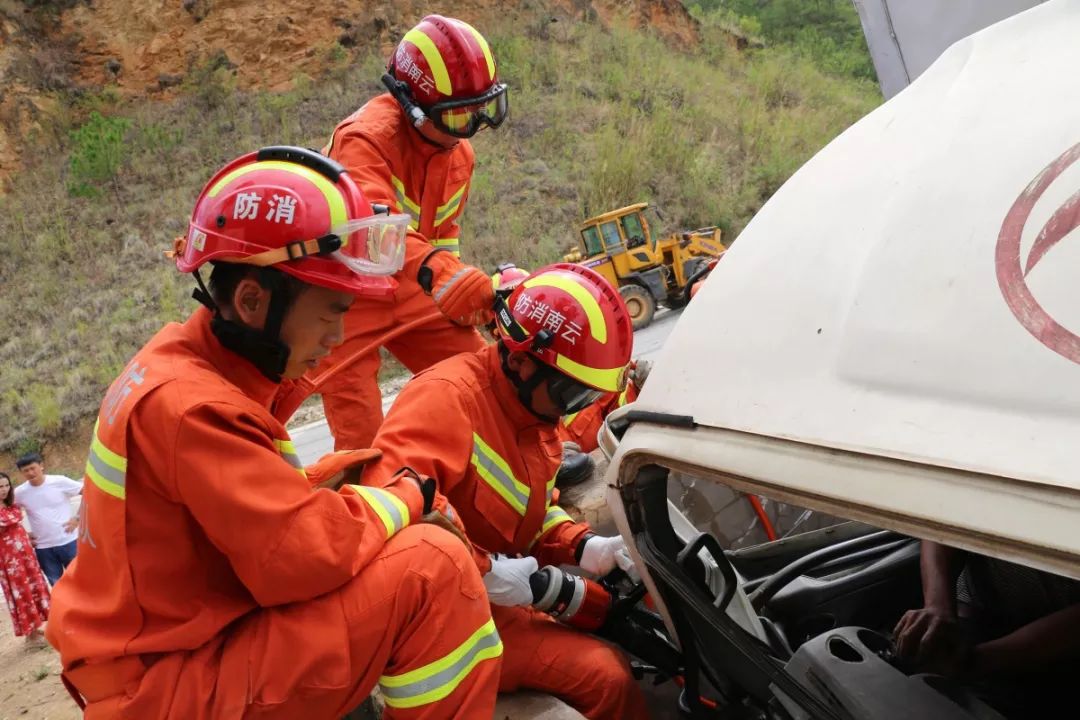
column 196, row 510
column 461, row 423
column 395, row 166
column 584, row 426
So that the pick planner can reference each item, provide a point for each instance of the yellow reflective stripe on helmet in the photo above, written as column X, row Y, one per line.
column 555, row 516
column 597, row 326
column 437, row 680
column 393, row 513
column 288, row 452
column 434, row 60
column 339, row 214
column 495, row 471
column 450, row 206
column 484, row 47
column 106, row 469
column 453, row 245
column 607, row 379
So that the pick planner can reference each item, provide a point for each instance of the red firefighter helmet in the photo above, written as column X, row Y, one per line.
column 507, row 276
column 449, row 72
column 300, row 212
column 572, row 320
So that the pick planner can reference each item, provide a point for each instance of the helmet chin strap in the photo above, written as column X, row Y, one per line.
column 525, row 388
column 263, row 348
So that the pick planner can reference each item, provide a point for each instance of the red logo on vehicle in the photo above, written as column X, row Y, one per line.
column 1012, row 270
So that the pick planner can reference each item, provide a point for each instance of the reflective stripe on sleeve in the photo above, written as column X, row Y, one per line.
column 393, row 513
column 555, row 516
column 288, row 452
column 106, row 469
column 437, row 680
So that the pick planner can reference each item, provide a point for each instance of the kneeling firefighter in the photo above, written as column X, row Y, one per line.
column 484, row 425
column 212, row 581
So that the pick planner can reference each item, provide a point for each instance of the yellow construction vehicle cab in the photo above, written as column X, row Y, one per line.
column 647, row 270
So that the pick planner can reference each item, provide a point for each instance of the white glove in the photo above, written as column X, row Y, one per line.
column 507, row 582
column 601, row 554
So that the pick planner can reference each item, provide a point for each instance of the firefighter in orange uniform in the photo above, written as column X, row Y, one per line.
column 483, row 424
column 212, row 581
column 582, row 428
column 409, row 149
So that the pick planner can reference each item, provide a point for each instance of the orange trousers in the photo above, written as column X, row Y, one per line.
column 351, row 400
column 414, row 606
column 585, row 672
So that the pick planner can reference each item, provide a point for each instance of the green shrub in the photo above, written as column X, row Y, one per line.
column 98, row 150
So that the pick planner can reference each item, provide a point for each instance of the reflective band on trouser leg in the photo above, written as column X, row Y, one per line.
column 555, row 516
column 106, row 469
column 447, row 209
column 452, row 245
column 495, row 471
column 437, row 680
column 389, row 507
column 288, row 452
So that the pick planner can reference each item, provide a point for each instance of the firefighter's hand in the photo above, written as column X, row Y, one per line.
column 443, row 515
column 601, row 555
column 507, row 582
column 463, row 293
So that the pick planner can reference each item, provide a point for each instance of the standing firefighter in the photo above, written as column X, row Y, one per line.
column 484, row 424
column 408, row 149
column 211, row 580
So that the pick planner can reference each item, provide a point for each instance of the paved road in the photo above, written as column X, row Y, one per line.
column 313, row 441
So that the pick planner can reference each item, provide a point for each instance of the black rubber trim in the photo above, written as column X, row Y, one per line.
column 620, row 425
column 302, row 156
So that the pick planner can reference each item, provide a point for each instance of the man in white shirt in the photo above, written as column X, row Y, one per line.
column 47, row 502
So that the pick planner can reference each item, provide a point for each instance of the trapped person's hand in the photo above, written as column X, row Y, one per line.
column 926, row 634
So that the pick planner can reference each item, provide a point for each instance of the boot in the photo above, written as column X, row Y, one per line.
column 576, row 467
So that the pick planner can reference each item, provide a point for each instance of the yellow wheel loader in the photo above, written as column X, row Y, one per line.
column 647, row 270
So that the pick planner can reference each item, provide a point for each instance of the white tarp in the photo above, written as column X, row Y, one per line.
column 913, row 291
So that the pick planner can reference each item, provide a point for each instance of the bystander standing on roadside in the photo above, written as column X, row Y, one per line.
column 47, row 502
column 24, row 588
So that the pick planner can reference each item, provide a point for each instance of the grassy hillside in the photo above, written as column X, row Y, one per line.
column 599, row 118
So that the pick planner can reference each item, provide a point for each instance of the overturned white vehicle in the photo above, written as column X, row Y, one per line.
column 898, row 335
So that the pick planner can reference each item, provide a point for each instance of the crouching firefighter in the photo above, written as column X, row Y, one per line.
column 484, row 425
column 212, row 580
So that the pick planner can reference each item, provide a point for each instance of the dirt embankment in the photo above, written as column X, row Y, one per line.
column 151, row 47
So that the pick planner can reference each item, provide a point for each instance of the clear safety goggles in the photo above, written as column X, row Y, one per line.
column 464, row 118
column 374, row 245
column 570, row 395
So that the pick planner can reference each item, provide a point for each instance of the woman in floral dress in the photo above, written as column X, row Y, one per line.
column 20, row 575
